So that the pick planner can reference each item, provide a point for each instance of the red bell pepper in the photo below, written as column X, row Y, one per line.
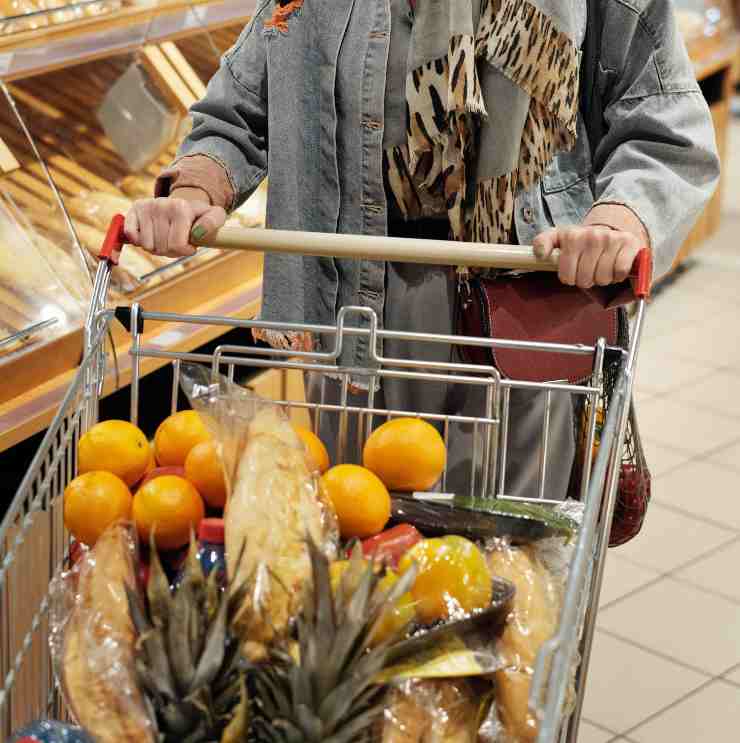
column 389, row 546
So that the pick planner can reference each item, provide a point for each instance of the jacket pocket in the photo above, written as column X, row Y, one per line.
column 569, row 202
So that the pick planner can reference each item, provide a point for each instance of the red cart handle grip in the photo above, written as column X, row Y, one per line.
column 114, row 241
column 641, row 275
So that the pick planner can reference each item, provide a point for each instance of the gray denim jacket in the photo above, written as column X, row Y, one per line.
column 307, row 107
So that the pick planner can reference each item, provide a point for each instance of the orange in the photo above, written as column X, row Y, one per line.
column 114, row 446
column 177, row 435
column 360, row 499
column 453, row 578
column 203, row 468
column 94, row 501
column 407, row 454
column 171, row 506
column 318, row 456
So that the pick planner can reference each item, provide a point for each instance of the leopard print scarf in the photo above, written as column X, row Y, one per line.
column 489, row 105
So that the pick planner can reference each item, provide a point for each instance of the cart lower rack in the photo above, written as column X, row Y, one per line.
column 34, row 544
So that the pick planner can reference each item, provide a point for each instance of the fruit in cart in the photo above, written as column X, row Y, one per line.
column 114, row 446
column 389, row 546
column 94, row 501
column 360, row 499
column 453, row 578
column 317, row 453
column 170, row 508
column 160, row 472
column 533, row 621
column 187, row 657
column 337, row 569
column 396, row 617
column 407, row 454
column 204, row 469
column 274, row 506
column 332, row 629
column 152, row 464
column 97, row 658
column 177, row 435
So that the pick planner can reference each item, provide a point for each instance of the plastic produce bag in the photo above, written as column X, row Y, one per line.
column 92, row 641
column 533, row 620
column 441, row 711
column 274, row 503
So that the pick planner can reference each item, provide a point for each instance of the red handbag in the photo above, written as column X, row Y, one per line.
column 538, row 307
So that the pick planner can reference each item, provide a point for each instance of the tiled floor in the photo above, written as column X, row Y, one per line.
column 666, row 660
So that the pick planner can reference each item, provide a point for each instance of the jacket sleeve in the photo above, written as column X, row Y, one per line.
column 229, row 126
column 658, row 156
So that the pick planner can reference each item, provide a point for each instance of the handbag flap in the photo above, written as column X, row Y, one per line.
column 538, row 307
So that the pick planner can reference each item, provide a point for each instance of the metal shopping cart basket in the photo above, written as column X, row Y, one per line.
column 34, row 545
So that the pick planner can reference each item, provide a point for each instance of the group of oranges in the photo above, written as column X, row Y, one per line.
column 404, row 455
column 163, row 486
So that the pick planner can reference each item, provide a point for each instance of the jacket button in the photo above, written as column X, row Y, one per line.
column 528, row 215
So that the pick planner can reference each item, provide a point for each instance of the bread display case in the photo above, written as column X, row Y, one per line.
column 78, row 143
column 704, row 23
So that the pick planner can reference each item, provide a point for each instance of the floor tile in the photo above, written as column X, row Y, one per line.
column 668, row 315
column 686, row 428
column 669, row 540
column 680, row 622
column 662, row 459
column 626, row 684
column 589, row 733
column 660, row 374
column 710, row 341
column 715, row 269
column 716, row 392
column 702, row 488
column 712, row 714
column 621, row 577
column 718, row 572
column 729, row 456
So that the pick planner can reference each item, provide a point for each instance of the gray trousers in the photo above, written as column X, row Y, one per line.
column 421, row 299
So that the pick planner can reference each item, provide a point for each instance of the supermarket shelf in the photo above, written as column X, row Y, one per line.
column 35, row 52
column 239, row 275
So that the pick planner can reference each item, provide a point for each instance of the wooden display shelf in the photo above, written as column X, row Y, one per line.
column 41, row 50
column 228, row 286
column 715, row 71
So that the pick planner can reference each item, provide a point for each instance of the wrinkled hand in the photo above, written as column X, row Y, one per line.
column 590, row 256
column 163, row 226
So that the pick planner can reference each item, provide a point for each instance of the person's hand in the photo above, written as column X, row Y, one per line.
column 163, row 226
column 590, row 256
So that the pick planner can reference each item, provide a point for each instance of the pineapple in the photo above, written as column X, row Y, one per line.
column 327, row 690
column 187, row 659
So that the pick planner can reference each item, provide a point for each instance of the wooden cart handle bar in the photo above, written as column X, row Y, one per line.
column 400, row 249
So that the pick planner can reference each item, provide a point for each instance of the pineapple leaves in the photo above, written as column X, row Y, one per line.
column 158, row 588
column 212, row 657
column 330, row 692
column 236, row 730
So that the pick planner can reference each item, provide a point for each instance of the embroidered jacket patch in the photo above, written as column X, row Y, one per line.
column 284, row 9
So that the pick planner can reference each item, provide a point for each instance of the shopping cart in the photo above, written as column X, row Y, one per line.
column 34, row 545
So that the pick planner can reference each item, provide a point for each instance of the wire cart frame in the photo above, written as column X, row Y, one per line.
column 34, row 545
